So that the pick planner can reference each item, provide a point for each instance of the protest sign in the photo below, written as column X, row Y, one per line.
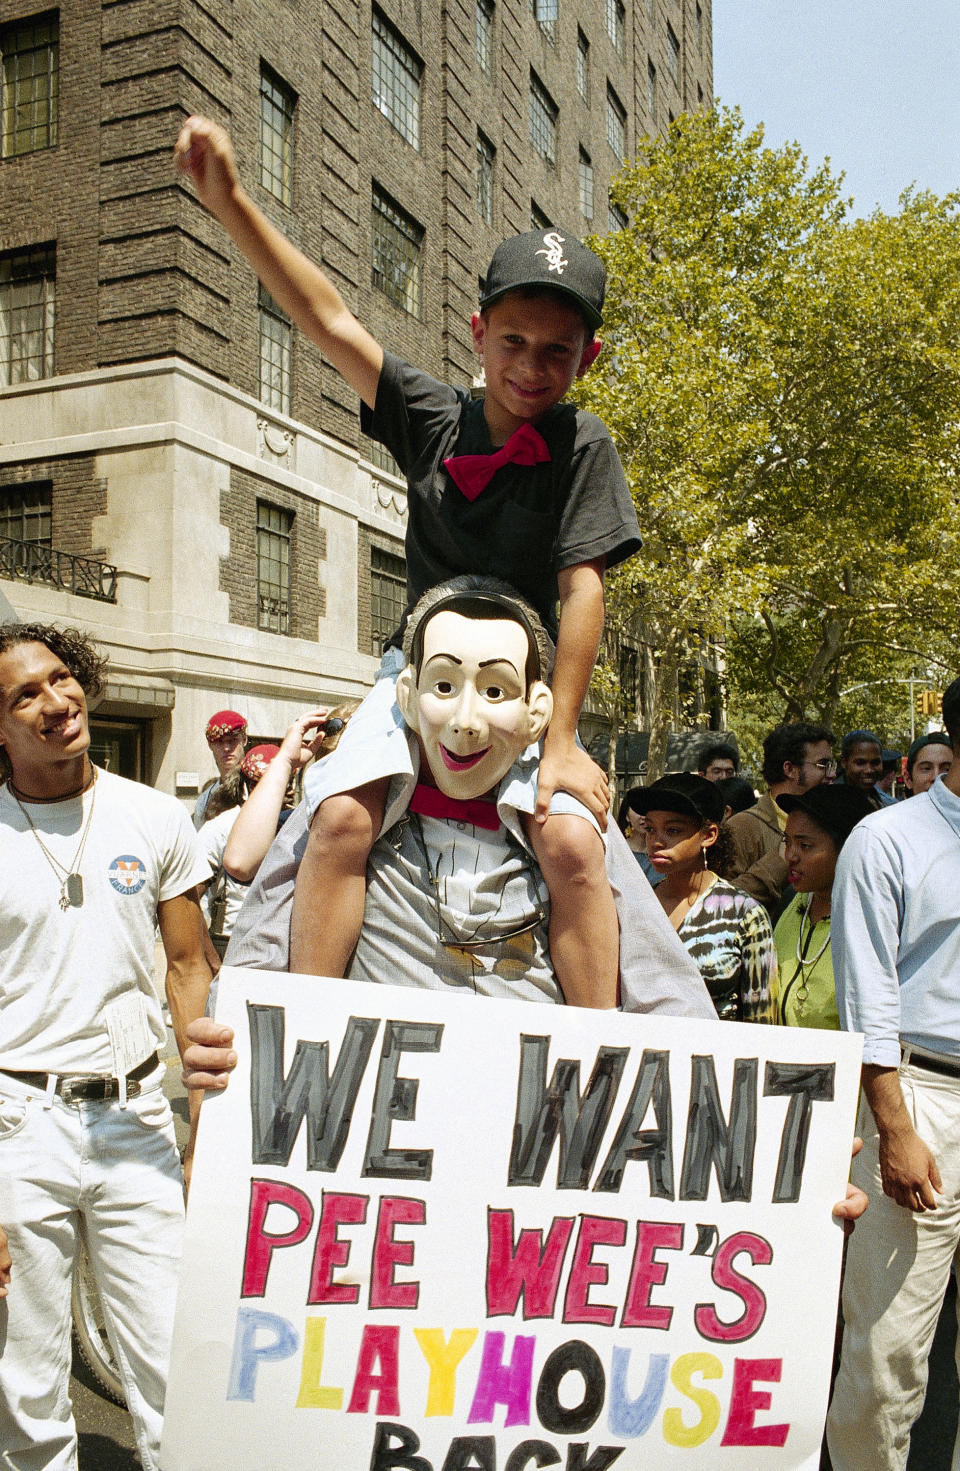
column 450, row 1234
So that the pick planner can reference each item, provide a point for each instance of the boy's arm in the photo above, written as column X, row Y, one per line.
column 256, row 824
column 564, row 766
column 204, row 154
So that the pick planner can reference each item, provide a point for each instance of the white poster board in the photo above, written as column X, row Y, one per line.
column 450, row 1234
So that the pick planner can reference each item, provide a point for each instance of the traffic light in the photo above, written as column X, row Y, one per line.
column 927, row 703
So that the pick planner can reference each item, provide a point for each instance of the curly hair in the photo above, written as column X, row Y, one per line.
column 81, row 656
column 720, row 856
column 84, row 661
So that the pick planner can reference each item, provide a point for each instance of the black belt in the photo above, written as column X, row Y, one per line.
column 87, row 1087
column 930, row 1064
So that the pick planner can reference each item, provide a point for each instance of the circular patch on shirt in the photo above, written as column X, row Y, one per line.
column 127, row 874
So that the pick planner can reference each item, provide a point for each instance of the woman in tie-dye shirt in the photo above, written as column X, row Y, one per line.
column 726, row 931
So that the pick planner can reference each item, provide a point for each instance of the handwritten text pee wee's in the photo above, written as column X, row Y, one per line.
column 716, row 1139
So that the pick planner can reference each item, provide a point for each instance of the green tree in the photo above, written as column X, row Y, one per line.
column 782, row 387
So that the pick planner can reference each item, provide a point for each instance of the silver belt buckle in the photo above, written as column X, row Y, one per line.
column 75, row 1090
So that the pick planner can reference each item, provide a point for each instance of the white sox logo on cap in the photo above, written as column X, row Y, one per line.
column 554, row 252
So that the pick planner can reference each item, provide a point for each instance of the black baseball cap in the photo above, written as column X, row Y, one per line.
column 554, row 259
column 932, row 738
column 683, row 792
column 837, row 809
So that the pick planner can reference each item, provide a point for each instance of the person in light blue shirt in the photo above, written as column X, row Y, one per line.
column 896, row 946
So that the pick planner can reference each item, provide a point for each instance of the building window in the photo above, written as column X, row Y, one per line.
column 700, row 29
column 27, row 290
column 652, row 11
column 274, row 534
column 539, row 220
column 651, row 90
column 543, row 120
column 26, row 513
column 673, row 54
column 388, row 595
column 547, row 13
column 397, row 243
column 379, row 455
column 616, row 23
column 397, row 79
column 485, row 37
column 277, row 104
column 485, row 156
column 699, row 95
column 583, row 65
column 30, row 52
column 616, row 124
column 585, row 184
column 616, row 219
column 276, row 355
column 629, row 679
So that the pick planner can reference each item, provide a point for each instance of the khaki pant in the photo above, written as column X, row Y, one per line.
column 898, row 1266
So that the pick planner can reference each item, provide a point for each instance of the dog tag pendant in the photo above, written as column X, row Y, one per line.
column 73, row 890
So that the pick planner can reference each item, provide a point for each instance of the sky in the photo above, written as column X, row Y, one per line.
column 872, row 85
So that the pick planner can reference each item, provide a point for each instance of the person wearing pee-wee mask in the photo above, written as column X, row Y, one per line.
column 488, row 766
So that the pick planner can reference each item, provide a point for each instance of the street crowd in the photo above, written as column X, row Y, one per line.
column 823, row 902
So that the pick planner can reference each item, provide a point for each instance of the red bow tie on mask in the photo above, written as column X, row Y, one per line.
column 473, row 473
column 434, row 803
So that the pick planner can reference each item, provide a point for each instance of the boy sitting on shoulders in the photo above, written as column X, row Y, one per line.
column 517, row 485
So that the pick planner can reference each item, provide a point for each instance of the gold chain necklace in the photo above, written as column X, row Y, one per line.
column 71, row 884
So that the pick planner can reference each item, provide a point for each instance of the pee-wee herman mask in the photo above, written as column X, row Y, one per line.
column 473, row 689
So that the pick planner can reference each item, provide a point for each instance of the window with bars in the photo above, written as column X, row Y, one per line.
column 616, row 23
column 543, row 120
column 546, row 13
column 397, row 247
column 379, row 455
column 276, row 354
column 397, row 76
column 583, row 66
column 26, row 513
column 277, row 106
column 485, row 37
column 616, row 124
column 30, row 98
column 27, row 293
column 274, row 536
column 629, row 680
column 388, row 595
column 673, row 53
column 651, row 90
column 616, row 219
column 585, row 184
column 486, row 153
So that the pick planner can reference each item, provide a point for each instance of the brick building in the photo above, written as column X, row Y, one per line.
column 179, row 471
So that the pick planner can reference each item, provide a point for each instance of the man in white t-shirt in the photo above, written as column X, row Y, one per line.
column 89, row 864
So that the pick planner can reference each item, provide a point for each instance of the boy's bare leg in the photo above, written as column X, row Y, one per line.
column 331, row 883
column 584, row 930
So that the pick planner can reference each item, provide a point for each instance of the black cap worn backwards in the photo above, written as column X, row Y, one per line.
column 554, row 259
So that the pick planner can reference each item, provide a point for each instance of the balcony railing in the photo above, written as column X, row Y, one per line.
column 31, row 561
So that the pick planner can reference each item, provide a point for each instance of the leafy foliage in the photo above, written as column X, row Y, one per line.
column 782, row 385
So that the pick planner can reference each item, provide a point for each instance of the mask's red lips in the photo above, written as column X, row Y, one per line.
column 453, row 762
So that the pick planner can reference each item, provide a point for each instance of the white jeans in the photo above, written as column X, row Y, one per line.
column 113, row 1174
column 897, row 1269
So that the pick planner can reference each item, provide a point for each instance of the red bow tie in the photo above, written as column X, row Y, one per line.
column 434, row 803
column 473, row 473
